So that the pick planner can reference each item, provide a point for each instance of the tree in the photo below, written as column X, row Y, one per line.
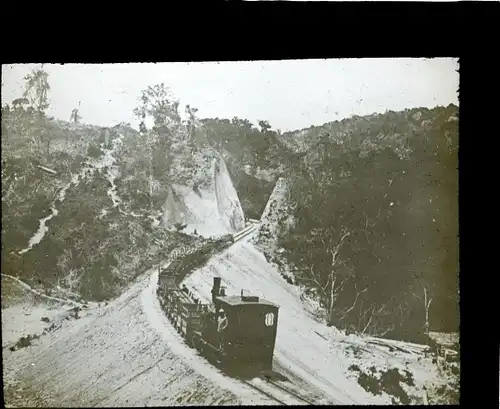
column 75, row 117
column 191, row 125
column 264, row 126
column 37, row 88
column 242, row 124
column 36, row 91
column 159, row 103
column 330, row 284
column 191, row 118
column 179, row 226
column 19, row 102
column 427, row 304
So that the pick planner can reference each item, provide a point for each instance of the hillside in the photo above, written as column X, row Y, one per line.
column 127, row 354
column 64, row 222
column 57, row 186
column 373, row 208
column 358, row 227
column 334, row 366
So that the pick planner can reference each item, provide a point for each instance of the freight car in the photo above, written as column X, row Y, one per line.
column 237, row 333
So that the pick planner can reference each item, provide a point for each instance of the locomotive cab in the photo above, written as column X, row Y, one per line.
column 248, row 340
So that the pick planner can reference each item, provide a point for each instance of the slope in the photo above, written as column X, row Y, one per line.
column 27, row 312
column 322, row 357
column 64, row 223
column 129, row 320
column 124, row 354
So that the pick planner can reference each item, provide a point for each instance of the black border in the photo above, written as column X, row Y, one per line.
column 478, row 307
column 227, row 30
column 298, row 30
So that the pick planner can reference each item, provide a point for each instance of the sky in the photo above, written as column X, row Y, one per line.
column 292, row 94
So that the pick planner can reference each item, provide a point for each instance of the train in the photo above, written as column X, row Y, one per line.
column 234, row 332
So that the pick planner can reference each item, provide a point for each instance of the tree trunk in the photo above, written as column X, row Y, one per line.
column 332, row 295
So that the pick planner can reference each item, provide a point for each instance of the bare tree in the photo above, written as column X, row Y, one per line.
column 75, row 114
column 333, row 249
column 329, row 287
column 358, row 293
column 427, row 303
column 372, row 320
column 328, row 291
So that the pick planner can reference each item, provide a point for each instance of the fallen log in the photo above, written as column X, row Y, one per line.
column 322, row 336
column 47, row 169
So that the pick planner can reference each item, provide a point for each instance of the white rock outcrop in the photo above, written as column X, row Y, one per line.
column 208, row 211
column 228, row 203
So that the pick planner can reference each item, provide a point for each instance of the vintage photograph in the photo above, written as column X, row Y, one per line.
column 279, row 232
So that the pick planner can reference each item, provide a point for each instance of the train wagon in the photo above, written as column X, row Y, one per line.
column 184, row 314
column 165, row 282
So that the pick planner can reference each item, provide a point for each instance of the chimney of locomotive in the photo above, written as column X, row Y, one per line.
column 216, row 288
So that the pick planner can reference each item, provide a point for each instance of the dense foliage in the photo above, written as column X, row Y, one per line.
column 85, row 251
column 376, row 221
column 255, row 158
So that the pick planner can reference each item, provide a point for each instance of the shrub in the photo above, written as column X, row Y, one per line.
column 94, row 151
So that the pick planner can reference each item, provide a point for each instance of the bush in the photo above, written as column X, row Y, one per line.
column 94, row 151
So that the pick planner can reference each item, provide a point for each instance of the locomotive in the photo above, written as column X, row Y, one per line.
column 237, row 333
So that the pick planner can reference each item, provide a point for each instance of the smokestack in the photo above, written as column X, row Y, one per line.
column 215, row 288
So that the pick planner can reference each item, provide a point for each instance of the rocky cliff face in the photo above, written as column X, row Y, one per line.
column 276, row 216
column 228, row 203
column 212, row 211
column 175, row 210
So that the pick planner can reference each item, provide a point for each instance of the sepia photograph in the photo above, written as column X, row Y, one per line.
column 268, row 232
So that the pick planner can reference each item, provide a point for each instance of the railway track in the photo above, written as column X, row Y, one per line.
column 279, row 399
column 245, row 232
column 290, row 392
column 263, row 392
